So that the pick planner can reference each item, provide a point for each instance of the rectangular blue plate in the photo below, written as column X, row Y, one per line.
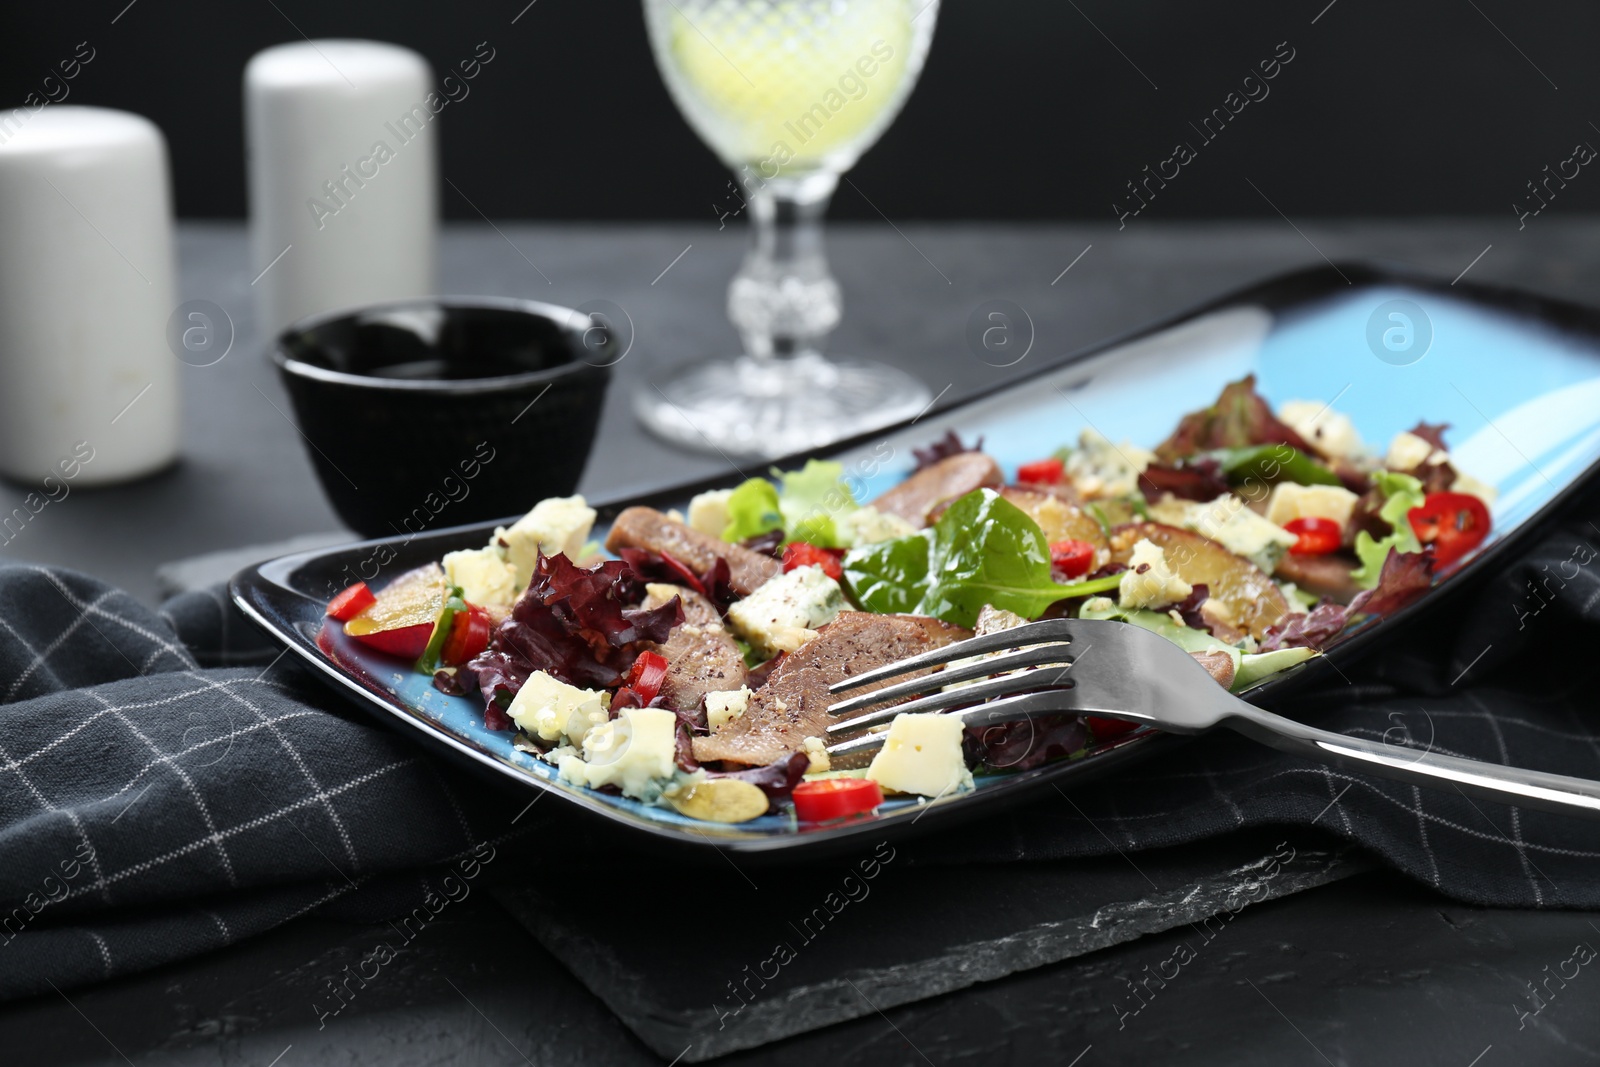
column 1516, row 376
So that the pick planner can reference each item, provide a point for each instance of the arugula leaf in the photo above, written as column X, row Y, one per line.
column 753, row 510
column 1272, row 463
column 983, row 550
column 811, row 499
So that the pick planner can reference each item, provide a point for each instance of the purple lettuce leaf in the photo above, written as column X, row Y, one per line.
column 1405, row 576
column 1026, row 743
column 945, row 447
column 776, row 779
column 1190, row 479
column 716, row 584
column 1239, row 417
column 574, row 624
column 1431, row 432
column 1189, row 608
column 768, row 544
column 1313, row 629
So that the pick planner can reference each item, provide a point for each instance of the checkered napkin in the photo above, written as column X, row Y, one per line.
column 1505, row 673
column 158, row 799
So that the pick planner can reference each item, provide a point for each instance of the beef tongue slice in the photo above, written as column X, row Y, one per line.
column 701, row 656
column 640, row 527
column 697, row 610
column 921, row 497
column 793, row 704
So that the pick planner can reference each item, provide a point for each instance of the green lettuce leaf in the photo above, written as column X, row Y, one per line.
column 983, row 550
column 1371, row 553
column 1254, row 666
column 811, row 499
column 1401, row 493
column 753, row 510
column 804, row 503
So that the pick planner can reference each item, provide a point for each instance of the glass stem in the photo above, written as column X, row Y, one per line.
column 783, row 300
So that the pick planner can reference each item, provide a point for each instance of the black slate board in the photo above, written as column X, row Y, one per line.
column 773, row 952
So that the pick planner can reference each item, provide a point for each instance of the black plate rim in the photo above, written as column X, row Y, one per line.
column 255, row 589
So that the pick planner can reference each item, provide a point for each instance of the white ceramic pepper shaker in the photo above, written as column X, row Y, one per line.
column 340, row 146
column 88, row 384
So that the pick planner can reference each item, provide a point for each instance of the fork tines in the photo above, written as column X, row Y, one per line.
column 1032, row 658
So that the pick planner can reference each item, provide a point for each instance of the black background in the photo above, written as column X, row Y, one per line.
column 1028, row 109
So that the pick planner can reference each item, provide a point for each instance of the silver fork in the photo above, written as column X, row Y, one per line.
column 1141, row 677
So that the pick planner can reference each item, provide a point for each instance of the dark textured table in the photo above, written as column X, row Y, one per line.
column 245, row 480
column 1367, row 969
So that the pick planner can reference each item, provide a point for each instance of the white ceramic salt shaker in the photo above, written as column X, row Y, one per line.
column 88, row 384
column 340, row 146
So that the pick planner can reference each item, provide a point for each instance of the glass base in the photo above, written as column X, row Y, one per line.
column 771, row 408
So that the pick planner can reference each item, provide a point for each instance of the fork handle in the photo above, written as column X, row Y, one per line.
column 1490, row 781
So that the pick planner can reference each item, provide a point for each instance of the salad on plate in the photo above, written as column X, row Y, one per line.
column 686, row 663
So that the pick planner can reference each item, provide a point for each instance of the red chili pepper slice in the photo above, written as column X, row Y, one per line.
column 647, row 674
column 402, row 619
column 1314, row 536
column 469, row 635
column 407, row 642
column 1072, row 558
column 835, row 798
column 352, row 602
column 1453, row 523
column 1049, row 471
column 806, row 554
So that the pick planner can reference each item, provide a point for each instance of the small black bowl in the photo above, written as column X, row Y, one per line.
column 434, row 412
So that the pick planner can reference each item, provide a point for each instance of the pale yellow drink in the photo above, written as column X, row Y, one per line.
column 789, row 86
column 788, row 93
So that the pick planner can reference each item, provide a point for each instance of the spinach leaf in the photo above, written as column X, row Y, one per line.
column 983, row 550
column 890, row 577
column 1272, row 463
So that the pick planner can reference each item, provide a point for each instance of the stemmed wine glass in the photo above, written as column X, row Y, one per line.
column 788, row 93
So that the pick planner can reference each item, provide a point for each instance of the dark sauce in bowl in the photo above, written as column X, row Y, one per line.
column 448, row 370
column 429, row 343
column 441, row 411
